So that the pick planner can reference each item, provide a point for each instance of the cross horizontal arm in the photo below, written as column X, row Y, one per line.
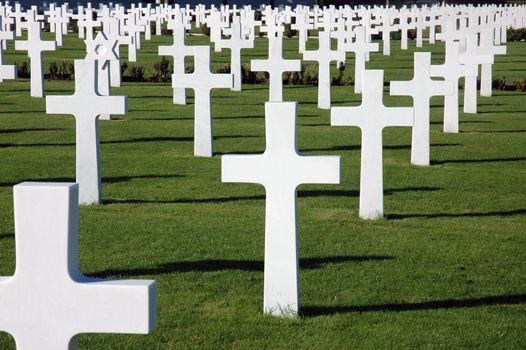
column 127, row 306
column 243, row 168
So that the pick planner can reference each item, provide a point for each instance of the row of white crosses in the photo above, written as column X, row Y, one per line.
column 137, row 19
column 280, row 169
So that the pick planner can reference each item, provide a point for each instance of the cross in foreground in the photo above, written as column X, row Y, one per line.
column 281, row 170
column 372, row 117
column 86, row 104
column 48, row 302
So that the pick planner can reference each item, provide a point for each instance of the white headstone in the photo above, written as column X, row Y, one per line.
column 387, row 28
column 134, row 29
column 324, row 55
column 49, row 302
column 487, row 47
column 361, row 49
column 372, row 117
column 302, row 25
column 86, row 104
column 115, row 66
column 34, row 47
column 88, row 24
column 235, row 43
column 421, row 88
column 404, row 26
column 58, row 18
column 6, row 71
column 103, row 51
column 471, row 57
column 281, row 170
column 202, row 81
column 452, row 71
column 178, row 50
column 275, row 65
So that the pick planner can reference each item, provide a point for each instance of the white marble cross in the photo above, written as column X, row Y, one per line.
column 134, row 29
column 404, row 26
column 178, row 50
column 421, row 88
column 215, row 22
column 472, row 57
column 88, row 23
column 235, row 43
column 280, row 169
column 420, row 26
column 324, row 55
column 302, row 25
column 5, row 23
column 6, row 71
column 452, row 70
column 103, row 51
column 372, row 117
column 487, row 47
column 104, row 16
column 58, row 19
column 202, row 81
column 115, row 66
column 361, row 49
column 86, row 105
column 78, row 18
column 275, row 65
column 48, row 303
column 34, row 45
column 386, row 28
column 18, row 15
column 273, row 25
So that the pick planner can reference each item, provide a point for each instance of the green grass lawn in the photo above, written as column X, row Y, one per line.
column 445, row 269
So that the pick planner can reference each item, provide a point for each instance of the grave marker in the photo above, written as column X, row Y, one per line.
column 86, row 105
column 34, row 47
column 372, row 117
column 275, row 65
column 281, row 170
column 421, row 88
column 202, row 81
column 49, row 302
column 324, row 56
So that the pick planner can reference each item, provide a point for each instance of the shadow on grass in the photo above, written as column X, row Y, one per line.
column 23, row 112
column 15, row 131
column 312, row 311
column 386, row 147
column 492, row 131
column 500, row 112
column 212, row 265
column 106, row 179
column 7, row 236
column 457, row 215
column 174, row 139
column 183, row 200
column 466, row 122
column 301, row 194
column 162, row 119
column 241, row 117
column 492, row 160
column 16, row 145
column 356, row 193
